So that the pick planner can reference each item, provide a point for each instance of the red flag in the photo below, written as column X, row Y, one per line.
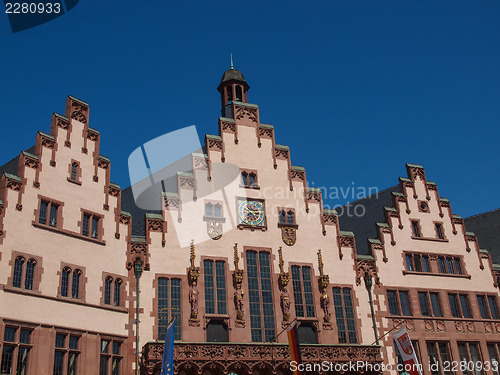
column 293, row 344
column 407, row 352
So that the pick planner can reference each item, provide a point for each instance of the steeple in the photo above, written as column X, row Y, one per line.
column 232, row 87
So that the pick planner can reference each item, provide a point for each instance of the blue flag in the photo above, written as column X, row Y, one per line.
column 167, row 365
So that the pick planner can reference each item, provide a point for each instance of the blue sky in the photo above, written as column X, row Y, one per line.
column 355, row 88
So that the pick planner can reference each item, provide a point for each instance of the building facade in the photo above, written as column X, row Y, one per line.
column 236, row 253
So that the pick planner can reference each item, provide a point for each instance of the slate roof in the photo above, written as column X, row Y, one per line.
column 365, row 227
column 486, row 227
column 232, row 74
column 11, row 166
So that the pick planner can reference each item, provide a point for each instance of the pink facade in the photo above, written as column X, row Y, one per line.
column 265, row 253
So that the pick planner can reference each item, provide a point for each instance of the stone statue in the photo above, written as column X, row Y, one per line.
column 193, row 300
column 285, row 305
column 238, row 301
column 325, row 305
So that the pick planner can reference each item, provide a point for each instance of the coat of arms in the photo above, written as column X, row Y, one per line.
column 289, row 235
column 405, row 344
column 214, row 229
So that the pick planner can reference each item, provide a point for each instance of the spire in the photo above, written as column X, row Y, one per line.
column 232, row 65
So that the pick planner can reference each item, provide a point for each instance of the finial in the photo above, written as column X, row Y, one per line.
column 280, row 253
column 236, row 257
column 232, row 65
column 192, row 254
column 320, row 262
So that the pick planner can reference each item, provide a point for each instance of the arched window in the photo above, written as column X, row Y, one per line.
column 75, row 287
column 118, row 284
column 18, row 272
column 290, row 217
column 217, row 210
column 251, row 179
column 282, row 217
column 74, row 171
column 239, row 94
column 229, row 90
column 30, row 273
column 65, row 281
column 107, row 290
column 244, row 178
column 208, row 209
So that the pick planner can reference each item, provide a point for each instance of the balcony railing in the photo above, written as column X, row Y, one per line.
column 195, row 357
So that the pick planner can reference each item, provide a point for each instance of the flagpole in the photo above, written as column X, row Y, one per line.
column 283, row 330
column 392, row 329
column 164, row 329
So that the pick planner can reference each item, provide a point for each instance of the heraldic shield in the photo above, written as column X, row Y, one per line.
column 289, row 235
column 214, row 229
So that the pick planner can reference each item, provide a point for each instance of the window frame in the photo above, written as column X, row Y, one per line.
column 305, row 305
column 287, row 211
column 66, row 350
column 399, row 306
column 45, row 220
column 487, row 306
column 416, row 229
column 37, row 272
column 82, row 282
column 261, row 317
column 439, row 224
column 91, row 216
column 110, row 356
column 245, row 178
column 213, row 204
column 78, row 172
column 458, row 303
column 178, row 316
column 344, row 314
column 16, row 344
column 438, row 354
column 430, row 305
column 114, row 279
column 215, row 287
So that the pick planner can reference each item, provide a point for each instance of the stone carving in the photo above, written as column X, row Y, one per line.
column 298, row 175
column 281, row 153
column 214, row 229
column 78, row 110
column 238, row 276
column 272, row 358
column 459, row 326
column 266, row 133
column 470, row 327
column 155, row 225
column 429, row 326
column 63, row 123
column 440, row 326
column 289, row 235
column 366, row 267
column 102, row 163
column 283, row 280
column 323, row 283
column 92, row 135
column 488, row 328
column 193, row 274
column 241, row 112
